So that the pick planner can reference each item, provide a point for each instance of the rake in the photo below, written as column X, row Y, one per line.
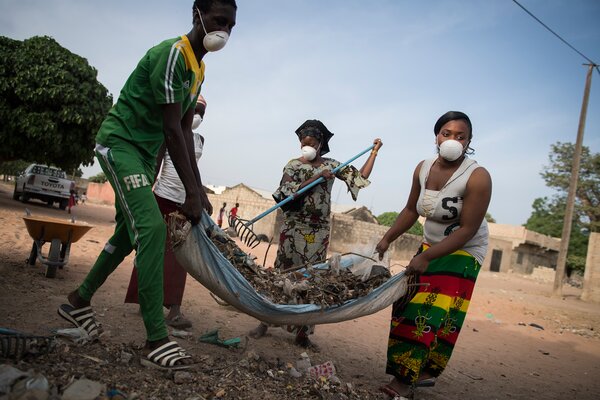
column 243, row 227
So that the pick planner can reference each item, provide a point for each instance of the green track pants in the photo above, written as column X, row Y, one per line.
column 140, row 227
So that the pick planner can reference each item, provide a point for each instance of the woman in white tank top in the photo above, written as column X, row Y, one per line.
column 452, row 192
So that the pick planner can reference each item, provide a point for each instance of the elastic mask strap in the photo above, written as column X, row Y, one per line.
column 201, row 21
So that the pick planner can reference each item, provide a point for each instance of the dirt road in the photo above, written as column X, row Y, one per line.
column 498, row 356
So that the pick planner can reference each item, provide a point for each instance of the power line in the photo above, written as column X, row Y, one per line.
column 557, row 35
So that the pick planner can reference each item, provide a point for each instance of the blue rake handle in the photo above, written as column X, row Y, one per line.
column 307, row 187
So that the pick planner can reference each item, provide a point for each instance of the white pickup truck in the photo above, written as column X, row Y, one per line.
column 44, row 183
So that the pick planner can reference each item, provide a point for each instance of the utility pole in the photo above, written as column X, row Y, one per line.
column 567, row 222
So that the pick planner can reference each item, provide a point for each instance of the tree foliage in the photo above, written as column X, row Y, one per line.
column 13, row 168
column 389, row 217
column 489, row 218
column 51, row 104
column 547, row 218
column 558, row 176
column 98, row 178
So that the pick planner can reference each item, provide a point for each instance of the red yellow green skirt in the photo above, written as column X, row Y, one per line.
column 424, row 331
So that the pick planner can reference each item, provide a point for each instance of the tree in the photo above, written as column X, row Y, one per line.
column 12, row 168
column 51, row 104
column 489, row 218
column 389, row 217
column 547, row 218
column 558, row 174
column 98, row 178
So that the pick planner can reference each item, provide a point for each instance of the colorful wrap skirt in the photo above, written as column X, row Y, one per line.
column 424, row 331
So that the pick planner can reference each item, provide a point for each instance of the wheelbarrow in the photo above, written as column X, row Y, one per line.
column 59, row 233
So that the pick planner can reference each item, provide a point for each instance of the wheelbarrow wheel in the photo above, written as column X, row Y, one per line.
column 53, row 257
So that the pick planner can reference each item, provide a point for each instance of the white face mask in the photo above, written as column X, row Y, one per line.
column 309, row 153
column 197, row 121
column 451, row 150
column 213, row 41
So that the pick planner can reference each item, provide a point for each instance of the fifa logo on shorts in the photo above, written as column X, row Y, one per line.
column 136, row 181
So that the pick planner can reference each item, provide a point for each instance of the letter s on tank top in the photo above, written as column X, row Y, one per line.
column 442, row 208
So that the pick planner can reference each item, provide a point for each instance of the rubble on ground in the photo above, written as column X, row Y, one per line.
column 99, row 371
column 324, row 287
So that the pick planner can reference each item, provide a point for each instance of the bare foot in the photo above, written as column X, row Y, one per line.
column 259, row 331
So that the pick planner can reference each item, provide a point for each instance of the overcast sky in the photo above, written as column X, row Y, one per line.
column 366, row 69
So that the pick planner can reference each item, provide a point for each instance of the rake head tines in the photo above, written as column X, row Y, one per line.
column 244, row 231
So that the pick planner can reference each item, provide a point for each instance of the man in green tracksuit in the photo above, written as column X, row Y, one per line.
column 156, row 105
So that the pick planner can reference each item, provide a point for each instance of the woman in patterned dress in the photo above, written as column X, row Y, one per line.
column 304, row 234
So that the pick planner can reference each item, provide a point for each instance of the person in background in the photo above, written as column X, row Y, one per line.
column 233, row 213
column 221, row 215
column 155, row 106
column 170, row 194
column 72, row 201
column 304, row 234
column 452, row 192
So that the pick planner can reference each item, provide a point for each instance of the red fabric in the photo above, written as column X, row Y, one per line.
column 233, row 212
column 448, row 285
column 174, row 274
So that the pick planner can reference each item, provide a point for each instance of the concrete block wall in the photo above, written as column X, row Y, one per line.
column 505, row 246
column 101, row 193
column 251, row 205
column 348, row 235
column 591, row 277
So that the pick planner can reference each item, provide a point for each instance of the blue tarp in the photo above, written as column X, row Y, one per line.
column 203, row 261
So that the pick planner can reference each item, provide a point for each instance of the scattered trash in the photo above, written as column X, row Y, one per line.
column 294, row 372
column 323, row 287
column 474, row 377
column 83, row 389
column 181, row 334
column 536, row 326
column 304, row 363
column 125, row 357
column 77, row 335
column 325, row 370
column 489, row 316
column 34, row 387
column 212, row 337
column 8, row 375
column 544, row 352
column 182, row 377
column 522, row 324
column 115, row 394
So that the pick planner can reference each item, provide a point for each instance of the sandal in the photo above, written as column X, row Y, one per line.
column 82, row 318
column 393, row 395
column 15, row 344
column 429, row 382
column 166, row 357
column 179, row 322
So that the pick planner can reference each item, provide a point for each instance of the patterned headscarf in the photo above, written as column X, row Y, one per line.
column 318, row 130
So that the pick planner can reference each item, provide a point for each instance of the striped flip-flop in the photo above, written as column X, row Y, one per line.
column 166, row 357
column 82, row 318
